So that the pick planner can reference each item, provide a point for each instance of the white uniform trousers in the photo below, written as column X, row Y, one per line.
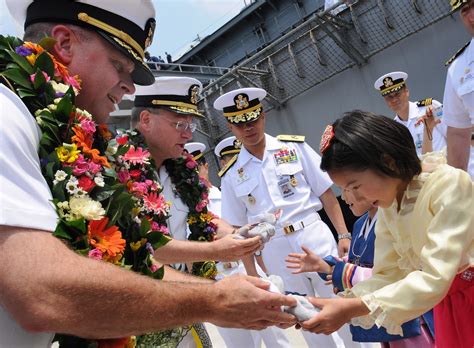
column 318, row 238
column 239, row 338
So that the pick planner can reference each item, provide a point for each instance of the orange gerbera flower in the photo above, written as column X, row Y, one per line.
column 84, row 140
column 104, row 131
column 107, row 239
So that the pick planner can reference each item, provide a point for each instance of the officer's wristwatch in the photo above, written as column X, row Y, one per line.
column 344, row 236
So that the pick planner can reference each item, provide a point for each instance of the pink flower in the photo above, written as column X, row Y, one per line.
column 154, row 226
column 46, row 76
column 204, row 195
column 154, row 202
column 163, row 229
column 123, row 176
column 139, row 187
column 136, row 156
column 95, row 254
column 191, row 164
column 88, row 126
column 80, row 166
column 201, row 205
column 154, row 268
column 72, row 81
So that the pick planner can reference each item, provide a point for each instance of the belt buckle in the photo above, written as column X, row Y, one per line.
column 289, row 229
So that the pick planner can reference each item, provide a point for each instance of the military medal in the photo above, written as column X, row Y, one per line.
column 251, row 199
column 293, row 181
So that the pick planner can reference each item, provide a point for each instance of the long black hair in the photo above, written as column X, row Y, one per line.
column 363, row 140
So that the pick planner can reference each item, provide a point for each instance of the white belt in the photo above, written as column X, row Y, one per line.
column 227, row 265
column 299, row 225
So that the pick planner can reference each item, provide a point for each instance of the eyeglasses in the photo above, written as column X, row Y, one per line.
column 183, row 126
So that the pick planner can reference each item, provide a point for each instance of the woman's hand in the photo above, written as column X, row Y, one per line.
column 307, row 262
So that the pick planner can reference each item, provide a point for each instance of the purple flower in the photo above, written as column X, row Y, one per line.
column 23, row 51
column 59, row 94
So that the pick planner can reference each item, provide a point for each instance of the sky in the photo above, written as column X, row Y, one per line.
column 179, row 22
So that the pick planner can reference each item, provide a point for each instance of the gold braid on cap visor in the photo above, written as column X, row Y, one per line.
column 245, row 117
column 113, row 31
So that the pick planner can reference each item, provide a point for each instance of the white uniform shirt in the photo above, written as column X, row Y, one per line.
column 416, row 131
column 253, row 186
column 215, row 201
column 177, row 222
column 459, row 91
column 24, row 196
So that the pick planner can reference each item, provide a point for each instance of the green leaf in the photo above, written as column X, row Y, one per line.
column 64, row 107
column 157, row 239
column 18, row 76
column 47, row 43
column 145, row 226
column 22, row 62
column 45, row 63
column 78, row 225
column 24, row 93
column 62, row 231
column 40, row 80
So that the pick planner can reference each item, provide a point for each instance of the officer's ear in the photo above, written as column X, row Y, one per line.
column 145, row 120
column 65, row 39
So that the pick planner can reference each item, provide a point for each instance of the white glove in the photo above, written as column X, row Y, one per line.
column 262, row 229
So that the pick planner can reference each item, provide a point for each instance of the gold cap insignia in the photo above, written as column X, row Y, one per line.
column 237, row 144
column 150, row 27
column 388, row 81
column 241, row 101
column 193, row 93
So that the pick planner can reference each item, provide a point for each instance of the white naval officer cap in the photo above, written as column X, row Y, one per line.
column 390, row 82
column 228, row 146
column 241, row 105
column 196, row 149
column 176, row 93
column 128, row 27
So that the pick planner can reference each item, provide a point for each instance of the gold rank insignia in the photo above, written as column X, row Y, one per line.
column 291, row 138
column 424, row 102
column 227, row 166
column 457, row 54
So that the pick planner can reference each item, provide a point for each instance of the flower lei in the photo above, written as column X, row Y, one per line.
column 194, row 192
column 113, row 216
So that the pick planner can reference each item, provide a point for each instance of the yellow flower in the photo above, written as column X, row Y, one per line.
column 137, row 245
column 31, row 58
column 192, row 220
column 67, row 153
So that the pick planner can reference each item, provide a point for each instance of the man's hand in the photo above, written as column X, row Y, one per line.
column 307, row 262
column 229, row 248
column 244, row 302
column 334, row 313
column 343, row 247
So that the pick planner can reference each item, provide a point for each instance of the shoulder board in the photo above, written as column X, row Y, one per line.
column 457, row 54
column 292, row 138
column 227, row 166
column 424, row 102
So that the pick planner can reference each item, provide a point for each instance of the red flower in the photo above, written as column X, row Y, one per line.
column 122, row 140
column 135, row 173
column 86, row 183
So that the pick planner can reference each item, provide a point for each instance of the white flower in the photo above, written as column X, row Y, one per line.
column 99, row 180
column 60, row 175
column 59, row 87
column 39, row 111
column 71, row 185
column 84, row 113
column 86, row 207
column 80, row 193
column 52, row 107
